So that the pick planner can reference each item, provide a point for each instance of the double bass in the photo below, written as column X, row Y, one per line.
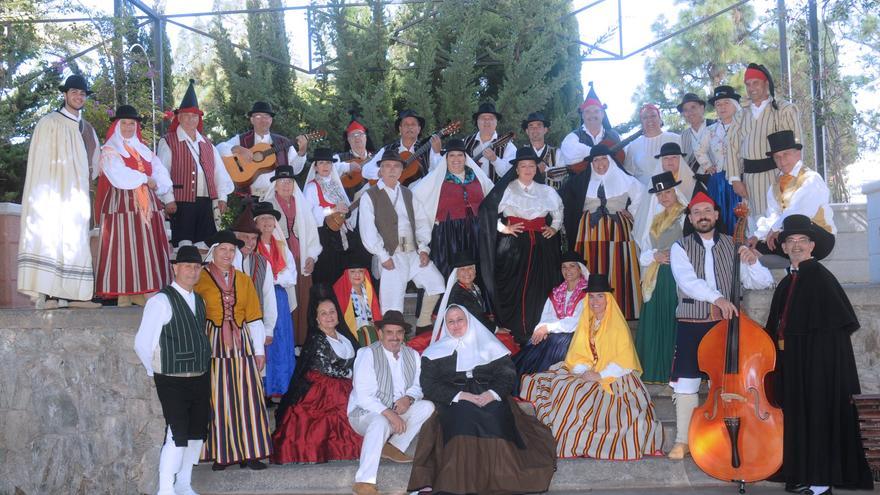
column 736, row 435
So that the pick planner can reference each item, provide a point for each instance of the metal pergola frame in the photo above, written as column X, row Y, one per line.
column 160, row 20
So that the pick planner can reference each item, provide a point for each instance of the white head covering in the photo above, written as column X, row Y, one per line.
column 117, row 142
column 645, row 217
column 478, row 346
column 615, row 180
column 427, row 190
column 685, row 175
column 334, row 176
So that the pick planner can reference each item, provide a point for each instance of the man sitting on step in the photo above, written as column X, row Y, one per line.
column 386, row 400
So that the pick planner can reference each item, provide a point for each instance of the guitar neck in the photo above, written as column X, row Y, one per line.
column 424, row 147
column 632, row 137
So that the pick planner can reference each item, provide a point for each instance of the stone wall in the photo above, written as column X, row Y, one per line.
column 78, row 415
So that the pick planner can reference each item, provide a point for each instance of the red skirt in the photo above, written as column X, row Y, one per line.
column 316, row 429
column 421, row 341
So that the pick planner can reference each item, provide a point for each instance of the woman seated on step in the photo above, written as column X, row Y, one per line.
column 479, row 440
column 311, row 421
column 609, row 412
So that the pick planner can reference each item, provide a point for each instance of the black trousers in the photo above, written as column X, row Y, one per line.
column 186, row 405
column 193, row 222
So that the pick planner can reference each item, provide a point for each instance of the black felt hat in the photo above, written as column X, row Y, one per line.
column 801, row 224
column 598, row 282
column 408, row 113
column 266, row 208
column 75, row 81
column 722, row 92
column 486, row 107
column 570, row 257
column 188, row 254
column 227, row 237
column 390, row 154
column 393, row 317
column 597, row 151
column 689, row 97
column 670, row 149
column 127, row 112
column 283, row 172
column 455, row 145
column 535, row 117
column 189, row 98
column 525, row 153
column 322, row 155
column 358, row 260
column 261, row 107
column 782, row 140
column 662, row 182
column 462, row 258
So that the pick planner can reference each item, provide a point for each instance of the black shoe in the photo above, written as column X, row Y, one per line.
column 810, row 492
column 217, row 467
column 254, row 464
column 796, row 488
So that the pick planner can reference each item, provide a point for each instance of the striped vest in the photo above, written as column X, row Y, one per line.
column 258, row 273
column 183, row 168
column 385, row 389
column 724, row 255
column 279, row 143
column 184, row 344
column 385, row 216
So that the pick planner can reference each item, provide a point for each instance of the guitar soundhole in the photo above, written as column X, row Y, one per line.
column 258, row 156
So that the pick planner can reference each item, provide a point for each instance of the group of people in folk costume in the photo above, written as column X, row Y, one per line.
column 546, row 253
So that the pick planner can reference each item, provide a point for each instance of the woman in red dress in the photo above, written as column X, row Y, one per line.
column 311, row 422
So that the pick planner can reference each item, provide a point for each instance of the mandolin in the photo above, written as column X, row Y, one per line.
column 413, row 168
column 616, row 150
column 243, row 173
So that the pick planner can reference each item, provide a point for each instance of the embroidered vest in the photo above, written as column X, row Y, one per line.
column 385, row 216
column 784, row 198
column 279, row 143
column 183, row 168
column 183, row 343
column 724, row 254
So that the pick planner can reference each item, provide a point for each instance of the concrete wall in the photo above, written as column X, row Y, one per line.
column 872, row 190
column 849, row 259
column 78, row 415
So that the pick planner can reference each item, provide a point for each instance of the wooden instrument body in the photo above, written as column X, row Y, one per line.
column 353, row 179
column 335, row 221
column 243, row 172
column 739, row 395
column 413, row 167
column 617, row 153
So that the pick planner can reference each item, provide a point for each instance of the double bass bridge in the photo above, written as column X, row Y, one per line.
column 728, row 397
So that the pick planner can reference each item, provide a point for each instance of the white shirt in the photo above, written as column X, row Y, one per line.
column 758, row 109
column 640, row 161
column 370, row 235
column 807, row 200
column 573, row 150
column 121, row 176
column 157, row 314
column 222, row 181
column 534, row 201
column 270, row 304
column 365, row 385
column 567, row 324
column 754, row 276
column 501, row 163
column 370, row 170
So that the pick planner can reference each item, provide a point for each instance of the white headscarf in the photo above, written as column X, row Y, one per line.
column 117, row 142
column 478, row 345
column 427, row 190
column 334, row 176
column 615, row 180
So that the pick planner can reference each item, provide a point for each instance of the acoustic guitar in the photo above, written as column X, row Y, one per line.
column 243, row 173
column 413, row 168
column 617, row 154
column 353, row 179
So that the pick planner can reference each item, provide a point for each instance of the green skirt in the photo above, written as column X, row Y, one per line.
column 655, row 338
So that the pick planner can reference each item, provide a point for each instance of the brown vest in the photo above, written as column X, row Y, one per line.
column 385, row 216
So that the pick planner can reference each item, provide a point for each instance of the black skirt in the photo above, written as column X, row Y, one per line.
column 450, row 237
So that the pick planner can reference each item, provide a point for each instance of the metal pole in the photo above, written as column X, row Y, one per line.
column 159, row 38
column 118, row 62
column 816, row 73
column 784, row 68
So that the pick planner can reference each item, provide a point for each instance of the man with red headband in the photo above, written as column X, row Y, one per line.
column 594, row 129
column 748, row 146
column 197, row 174
column 358, row 150
column 702, row 264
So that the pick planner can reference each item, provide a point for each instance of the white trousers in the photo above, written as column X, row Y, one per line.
column 406, row 267
column 376, row 430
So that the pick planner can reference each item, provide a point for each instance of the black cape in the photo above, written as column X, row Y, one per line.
column 477, row 306
column 822, row 444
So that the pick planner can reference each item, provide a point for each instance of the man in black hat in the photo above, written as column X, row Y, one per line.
column 410, row 126
column 386, row 405
column 54, row 259
column 536, row 127
column 747, row 139
column 797, row 191
column 261, row 117
column 173, row 347
column 693, row 139
column 481, row 145
column 395, row 227
column 197, row 173
column 811, row 320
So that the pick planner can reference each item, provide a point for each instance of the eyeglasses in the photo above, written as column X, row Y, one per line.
column 794, row 241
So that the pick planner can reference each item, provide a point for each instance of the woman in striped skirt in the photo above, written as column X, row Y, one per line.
column 133, row 258
column 594, row 402
column 599, row 208
column 239, row 432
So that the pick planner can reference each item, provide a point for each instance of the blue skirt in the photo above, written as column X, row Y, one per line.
column 537, row 358
column 280, row 359
column 722, row 192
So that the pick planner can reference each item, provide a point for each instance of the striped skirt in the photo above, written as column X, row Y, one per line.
column 239, row 423
column 134, row 254
column 608, row 248
column 586, row 421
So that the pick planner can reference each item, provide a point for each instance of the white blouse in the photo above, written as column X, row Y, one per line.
column 341, row 346
column 534, row 201
column 640, row 161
